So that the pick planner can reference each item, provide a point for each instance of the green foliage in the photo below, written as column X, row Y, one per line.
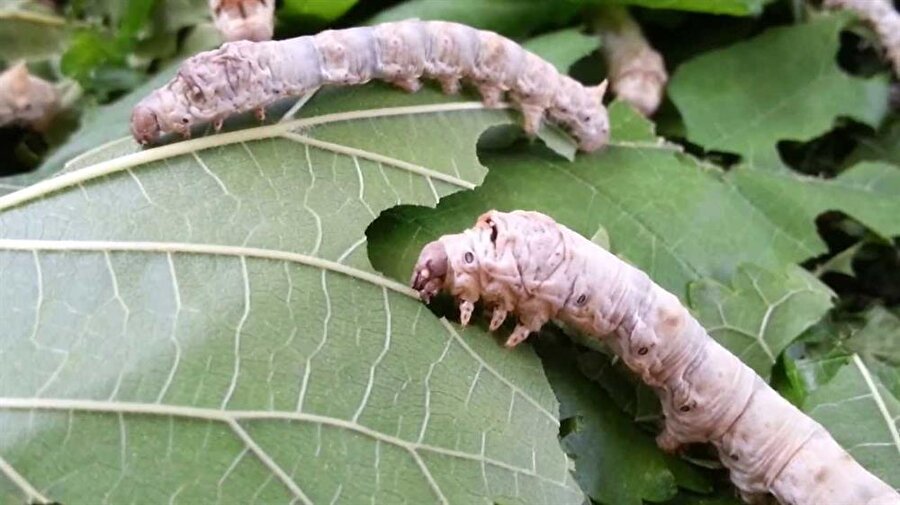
column 615, row 462
column 873, row 335
column 863, row 417
column 721, row 497
column 98, row 55
column 732, row 7
column 313, row 12
column 885, row 146
column 878, row 344
column 515, row 18
column 92, row 48
column 761, row 313
column 668, row 214
column 866, row 191
column 563, row 47
column 745, row 98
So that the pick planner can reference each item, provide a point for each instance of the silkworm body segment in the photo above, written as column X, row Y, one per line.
column 526, row 264
column 242, row 76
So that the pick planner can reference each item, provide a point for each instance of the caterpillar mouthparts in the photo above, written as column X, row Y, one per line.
column 430, row 271
column 243, row 76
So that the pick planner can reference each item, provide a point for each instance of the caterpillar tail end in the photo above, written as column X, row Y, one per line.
column 431, row 271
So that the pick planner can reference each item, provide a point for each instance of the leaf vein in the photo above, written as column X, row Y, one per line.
column 232, row 418
column 879, row 401
column 368, row 155
column 22, row 483
column 118, row 164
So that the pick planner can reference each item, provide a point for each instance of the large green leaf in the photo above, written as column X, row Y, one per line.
column 782, row 85
column 867, row 191
column 761, row 313
column 199, row 321
column 863, row 417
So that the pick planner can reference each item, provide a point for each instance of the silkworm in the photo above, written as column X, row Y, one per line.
column 244, row 19
column 26, row 100
column 637, row 73
column 527, row 264
column 243, row 76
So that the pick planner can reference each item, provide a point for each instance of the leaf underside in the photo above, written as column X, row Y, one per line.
column 200, row 320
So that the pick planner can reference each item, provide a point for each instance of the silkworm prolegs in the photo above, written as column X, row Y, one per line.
column 524, row 263
column 243, row 76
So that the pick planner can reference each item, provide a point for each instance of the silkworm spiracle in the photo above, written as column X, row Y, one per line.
column 242, row 76
column 527, row 264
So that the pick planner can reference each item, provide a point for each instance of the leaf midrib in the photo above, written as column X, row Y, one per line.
column 232, row 417
column 197, row 248
column 259, row 253
column 144, row 157
column 879, row 401
column 227, row 416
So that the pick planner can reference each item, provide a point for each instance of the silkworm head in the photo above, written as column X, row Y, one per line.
column 593, row 123
column 430, row 272
column 144, row 124
column 593, row 129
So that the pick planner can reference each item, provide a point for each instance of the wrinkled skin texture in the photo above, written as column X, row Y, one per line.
column 524, row 263
column 244, row 76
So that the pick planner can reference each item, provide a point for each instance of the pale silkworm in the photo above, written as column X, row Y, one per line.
column 526, row 264
column 244, row 76
column 637, row 73
column 244, row 19
column 26, row 100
